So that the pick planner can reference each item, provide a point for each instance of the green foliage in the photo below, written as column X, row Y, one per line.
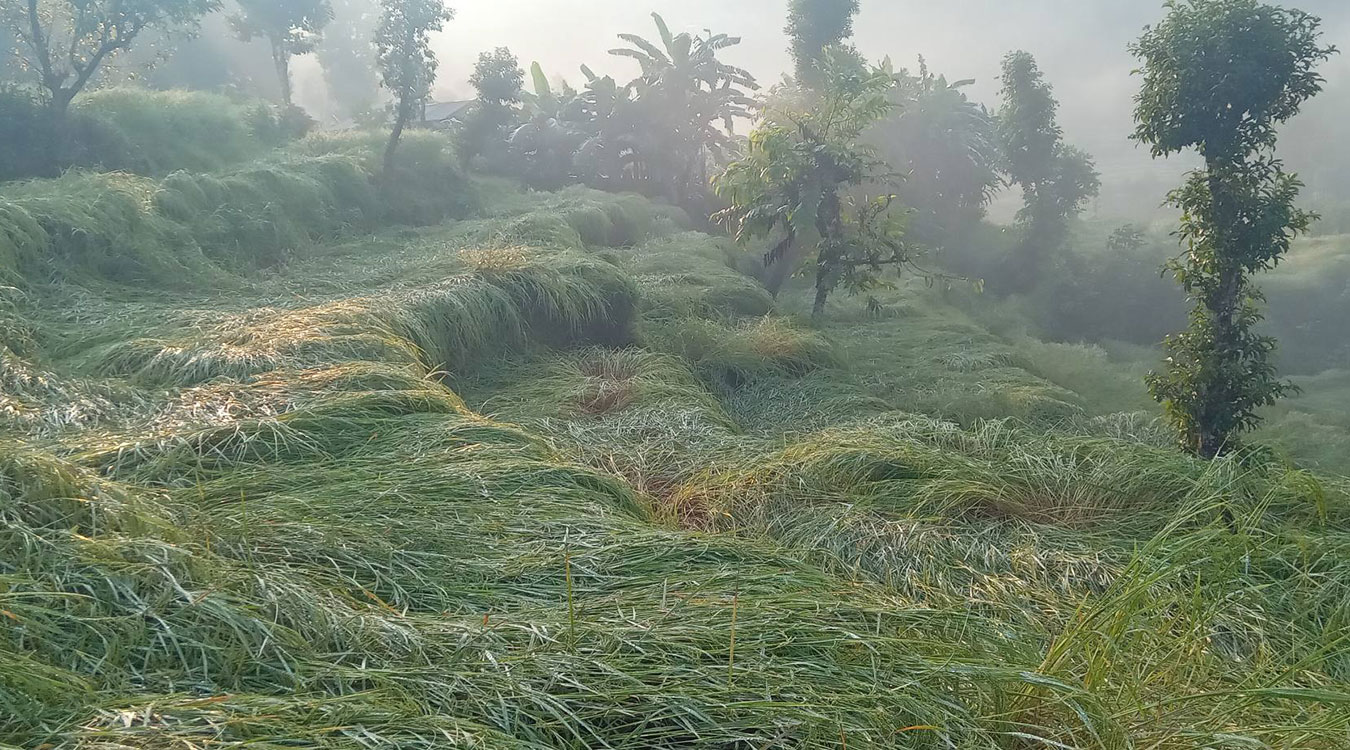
column 794, row 181
column 1191, row 97
column 498, row 79
column 67, row 41
column 153, row 133
column 1056, row 179
column 261, row 515
column 659, row 134
column 141, row 131
column 1220, row 76
column 948, row 149
column 543, row 147
column 191, row 229
column 813, row 27
column 1107, row 288
column 687, row 103
column 25, row 131
column 406, row 61
column 291, row 27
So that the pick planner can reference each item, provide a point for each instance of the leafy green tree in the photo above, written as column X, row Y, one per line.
column 1220, row 76
column 947, row 147
column 65, row 42
column 406, row 61
column 687, row 102
column 497, row 78
column 814, row 26
column 1057, row 180
column 799, row 180
column 291, row 27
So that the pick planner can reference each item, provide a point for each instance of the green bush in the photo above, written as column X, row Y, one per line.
column 140, row 131
column 192, row 229
column 25, row 133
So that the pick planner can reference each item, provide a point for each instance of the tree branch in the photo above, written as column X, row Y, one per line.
column 39, row 44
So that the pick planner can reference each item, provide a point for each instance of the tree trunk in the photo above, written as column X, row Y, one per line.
column 776, row 274
column 282, row 61
column 822, row 295
column 402, row 113
column 1222, row 303
column 60, row 146
column 830, row 227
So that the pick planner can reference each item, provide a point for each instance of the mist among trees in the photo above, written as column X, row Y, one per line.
column 779, row 373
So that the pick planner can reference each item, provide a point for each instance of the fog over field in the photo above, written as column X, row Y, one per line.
column 806, row 374
column 1080, row 44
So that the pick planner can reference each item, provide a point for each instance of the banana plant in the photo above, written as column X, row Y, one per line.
column 545, row 143
column 687, row 102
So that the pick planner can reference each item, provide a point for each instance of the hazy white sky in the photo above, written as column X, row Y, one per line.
column 1081, row 45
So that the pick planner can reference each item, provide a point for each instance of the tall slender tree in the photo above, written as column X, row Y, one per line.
column 1056, row 179
column 406, row 60
column 814, row 26
column 1220, row 76
column 291, row 27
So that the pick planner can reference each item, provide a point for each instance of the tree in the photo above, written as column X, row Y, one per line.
column 806, row 160
column 606, row 114
column 65, row 42
column 407, row 63
column 291, row 27
column 1056, row 180
column 545, row 144
column 497, row 78
column 348, row 56
column 947, row 147
column 814, row 26
column 1220, row 76
column 687, row 101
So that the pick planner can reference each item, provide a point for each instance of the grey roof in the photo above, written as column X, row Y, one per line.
column 442, row 111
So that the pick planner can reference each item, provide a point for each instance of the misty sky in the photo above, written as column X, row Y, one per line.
column 1081, row 45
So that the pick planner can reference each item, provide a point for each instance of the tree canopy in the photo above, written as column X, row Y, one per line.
column 947, row 147
column 687, row 103
column 65, row 42
column 406, row 60
column 814, row 26
column 291, row 27
column 1056, row 179
column 799, row 183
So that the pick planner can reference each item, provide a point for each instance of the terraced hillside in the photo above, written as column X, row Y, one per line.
column 550, row 471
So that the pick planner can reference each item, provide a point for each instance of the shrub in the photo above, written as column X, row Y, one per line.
column 25, row 135
column 191, row 229
column 140, row 131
